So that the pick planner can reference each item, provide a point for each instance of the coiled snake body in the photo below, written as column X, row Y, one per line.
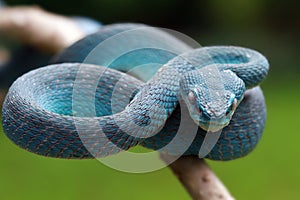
column 83, row 110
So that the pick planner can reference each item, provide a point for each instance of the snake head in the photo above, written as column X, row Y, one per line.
column 211, row 96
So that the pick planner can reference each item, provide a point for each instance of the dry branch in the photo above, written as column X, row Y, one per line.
column 37, row 27
column 198, row 179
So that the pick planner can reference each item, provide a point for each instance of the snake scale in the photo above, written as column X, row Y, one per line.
column 61, row 111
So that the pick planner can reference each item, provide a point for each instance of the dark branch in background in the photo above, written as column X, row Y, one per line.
column 50, row 32
column 39, row 28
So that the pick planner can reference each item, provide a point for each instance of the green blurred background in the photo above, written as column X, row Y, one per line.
column 272, row 171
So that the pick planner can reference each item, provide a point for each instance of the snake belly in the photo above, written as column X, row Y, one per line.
column 38, row 112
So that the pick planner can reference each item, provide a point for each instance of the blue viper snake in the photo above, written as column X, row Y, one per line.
column 46, row 109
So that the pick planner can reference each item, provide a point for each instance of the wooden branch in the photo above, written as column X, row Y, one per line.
column 39, row 28
column 198, row 179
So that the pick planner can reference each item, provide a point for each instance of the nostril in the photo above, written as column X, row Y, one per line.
column 227, row 112
column 206, row 116
column 198, row 110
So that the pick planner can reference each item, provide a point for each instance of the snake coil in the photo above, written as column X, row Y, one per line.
column 77, row 110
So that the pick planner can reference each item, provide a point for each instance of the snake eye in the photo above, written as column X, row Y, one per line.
column 232, row 107
column 234, row 104
column 191, row 97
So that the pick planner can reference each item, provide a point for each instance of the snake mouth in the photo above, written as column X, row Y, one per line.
column 211, row 126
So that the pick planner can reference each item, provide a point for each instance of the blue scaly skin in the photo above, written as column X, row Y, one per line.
column 38, row 112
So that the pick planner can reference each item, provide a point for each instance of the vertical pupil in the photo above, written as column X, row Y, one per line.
column 232, row 107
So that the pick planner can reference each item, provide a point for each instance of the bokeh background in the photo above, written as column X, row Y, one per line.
column 271, row 171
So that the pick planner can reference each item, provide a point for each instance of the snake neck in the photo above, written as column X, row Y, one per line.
column 157, row 99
